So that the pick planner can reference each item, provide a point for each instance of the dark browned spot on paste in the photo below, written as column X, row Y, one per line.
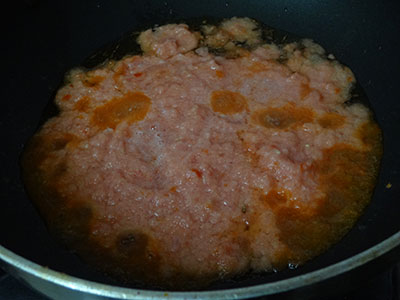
column 132, row 243
column 57, row 142
column 93, row 81
column 287, row 116
column 227, row 102
column 331, row 121
column 346, row 176
column 138, row 252
column 131, row 107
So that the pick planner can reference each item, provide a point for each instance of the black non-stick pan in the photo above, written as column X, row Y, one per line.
column 44, row 39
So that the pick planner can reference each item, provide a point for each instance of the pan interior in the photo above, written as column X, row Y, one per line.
column 27, row 235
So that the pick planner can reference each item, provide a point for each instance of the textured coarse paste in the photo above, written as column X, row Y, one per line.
column 210, row 155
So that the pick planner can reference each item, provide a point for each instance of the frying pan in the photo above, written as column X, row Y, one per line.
column 46, row 38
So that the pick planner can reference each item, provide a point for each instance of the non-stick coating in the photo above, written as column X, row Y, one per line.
column 46, row 38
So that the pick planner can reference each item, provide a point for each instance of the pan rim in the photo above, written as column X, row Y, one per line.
column 104, row 290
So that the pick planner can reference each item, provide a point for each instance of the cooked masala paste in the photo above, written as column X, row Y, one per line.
column 210, row 155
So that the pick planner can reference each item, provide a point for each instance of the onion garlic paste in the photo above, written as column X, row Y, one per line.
column 210, row 155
